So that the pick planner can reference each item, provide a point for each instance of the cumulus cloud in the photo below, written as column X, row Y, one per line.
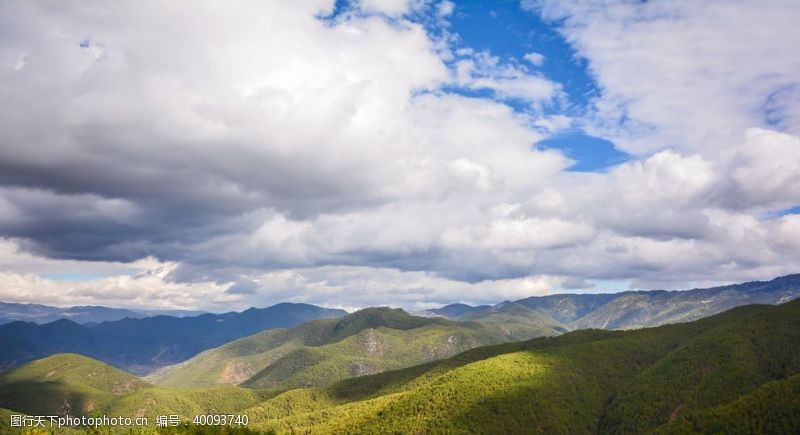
column 767, row 170
column 255, row 152
column 682, row 74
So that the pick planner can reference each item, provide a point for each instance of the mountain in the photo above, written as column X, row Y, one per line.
column 735, row 371
column 69, row 384
column 516, row 321
column 633, row 309
column 141, row 345
column 88, row 314
column 453, row 311
column 324, row 351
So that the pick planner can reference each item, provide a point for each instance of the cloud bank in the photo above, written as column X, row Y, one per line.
column 221, row 155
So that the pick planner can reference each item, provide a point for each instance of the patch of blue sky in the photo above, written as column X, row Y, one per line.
column 783, row 212
column 775, row 106
column 792, row 210
column 69, row 276
column 339, row 7
column 591, row 154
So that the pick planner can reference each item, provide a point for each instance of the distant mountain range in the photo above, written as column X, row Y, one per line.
column 142, row 345
column 87, row 314
column 630, row 309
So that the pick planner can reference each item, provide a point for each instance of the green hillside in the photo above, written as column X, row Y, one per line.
column 586, row 381
column 322, row 352
column 76, row 385
column 65, row 384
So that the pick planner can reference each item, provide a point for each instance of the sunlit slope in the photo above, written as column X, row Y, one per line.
column 586, row 381
column 76, row 385
column 321, row 352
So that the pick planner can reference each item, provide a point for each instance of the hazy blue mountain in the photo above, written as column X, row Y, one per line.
column 635, row 309
column 87, row 314
column 140, row 345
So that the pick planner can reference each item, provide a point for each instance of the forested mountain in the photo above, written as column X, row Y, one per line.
column 321, row 352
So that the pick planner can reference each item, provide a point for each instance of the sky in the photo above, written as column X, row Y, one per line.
column 218, row 155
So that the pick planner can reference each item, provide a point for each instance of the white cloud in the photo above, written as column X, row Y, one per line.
column 376, row 286
column 767, row 169
column 536, row 59
column 786, row 234
column 485, row 71
column 446, row 8
column 389, row 7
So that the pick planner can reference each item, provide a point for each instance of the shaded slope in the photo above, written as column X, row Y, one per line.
column 772, row 408
column 717, row 367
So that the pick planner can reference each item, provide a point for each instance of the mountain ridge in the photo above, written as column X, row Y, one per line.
column 140, row 345
column 644, row 308
column 83, row 314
